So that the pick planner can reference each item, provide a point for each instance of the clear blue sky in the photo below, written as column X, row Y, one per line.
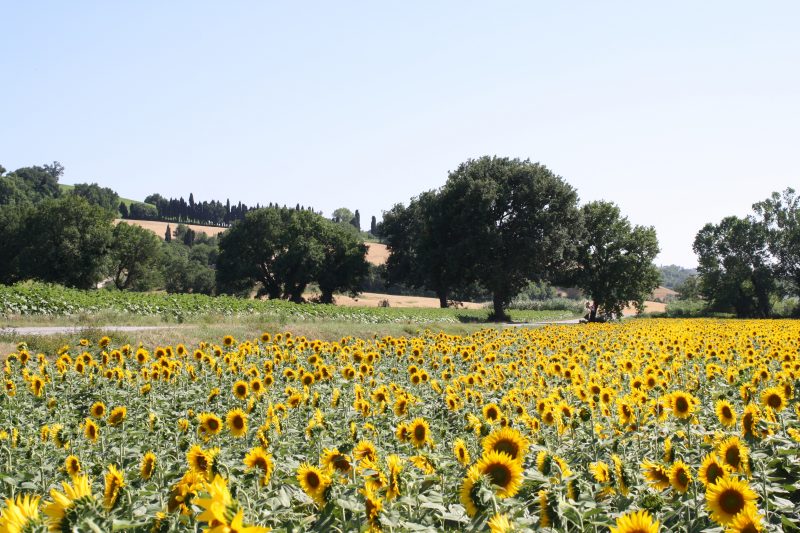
column 680, row 112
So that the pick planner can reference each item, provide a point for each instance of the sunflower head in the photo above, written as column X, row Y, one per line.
column 72, row 465
column 314, row 483
column 725, row 413
column 461, row 452
column 237, row 422
column 637, row 522
column 335, row 461
column 114, row 482
column 712, row 469
column 470, row 492
column 503, row 472
column 20, row 514
column 507, row 440
column 656, row 475
column 727, row 498
column 420, row 432
column 680, row 476
column 148, row 465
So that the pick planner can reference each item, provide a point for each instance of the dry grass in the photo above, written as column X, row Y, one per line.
column 160, row 228
column 372, row 299
column 377, row 254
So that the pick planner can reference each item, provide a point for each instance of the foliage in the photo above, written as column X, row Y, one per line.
column 96, row 195
column 343, row 265
column 140, row 211
column 689, row 288
column 673, row 276
column 30, row 185
column 547, row 304
column 780, row 214
column 38, row 299
column 614, row 261
column 431, row 432
column 425, row 250
column 735, row 268
column 686, row 308
column 515, row 223
column 133, row 257
column 284, row 250
column 62, row 240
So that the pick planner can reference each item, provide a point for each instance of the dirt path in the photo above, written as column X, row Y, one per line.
column 59, row 330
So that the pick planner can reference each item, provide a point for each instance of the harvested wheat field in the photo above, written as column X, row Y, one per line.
column 160, row 228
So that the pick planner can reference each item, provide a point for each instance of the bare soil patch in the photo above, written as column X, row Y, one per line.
column 371, row 299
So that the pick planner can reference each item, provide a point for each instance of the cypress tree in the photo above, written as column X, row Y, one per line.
column 168, row 234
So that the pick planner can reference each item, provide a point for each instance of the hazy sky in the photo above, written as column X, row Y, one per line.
column 680, row 112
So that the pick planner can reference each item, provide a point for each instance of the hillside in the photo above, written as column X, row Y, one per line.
column 127, row 201
column 377, row 254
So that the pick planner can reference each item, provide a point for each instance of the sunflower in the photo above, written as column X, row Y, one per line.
column 241, row 389
column 228, row 340
column 727, row 498
column 680, row 476
column 499, row 523
column 402, row 432
column 117, row 416
column 20, row 514
column 712, row 469
column 600, row 472
column 656, row 475
column 395, row 466
column 210, row 424
column 469, row 492
column 750, row 418
column 37, row 386
column 461, row 452
column 775, row 398
column 638, row 522
column 216, row 503
column 419, row 432
column 115, row 481
column 365, row 450
column 623, row 480
column 503, row 472
column 507, row 440
column 259, row 458
column 682, row 404
column 734, row 453
column 201, row 461
column 747, row 521
column 372, row 506
column 62, row 502
column 335, row 461
column 423, row 464
column 725, row 413
column 237, row 422
column 72, row 465
column 491, row 412
column 148, row 465
column 314, row 482
column 545, row 515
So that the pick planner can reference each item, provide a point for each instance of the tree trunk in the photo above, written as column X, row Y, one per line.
column 326, row 297
column 498, row 315
column 442, row 299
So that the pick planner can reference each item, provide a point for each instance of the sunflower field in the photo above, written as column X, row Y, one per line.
column 650, row 425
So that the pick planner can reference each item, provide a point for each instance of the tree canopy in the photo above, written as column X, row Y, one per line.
column 614, row 261
column 282, row 250
column 734, row 266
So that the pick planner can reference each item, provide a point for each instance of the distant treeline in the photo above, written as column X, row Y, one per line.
column 212, row 213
